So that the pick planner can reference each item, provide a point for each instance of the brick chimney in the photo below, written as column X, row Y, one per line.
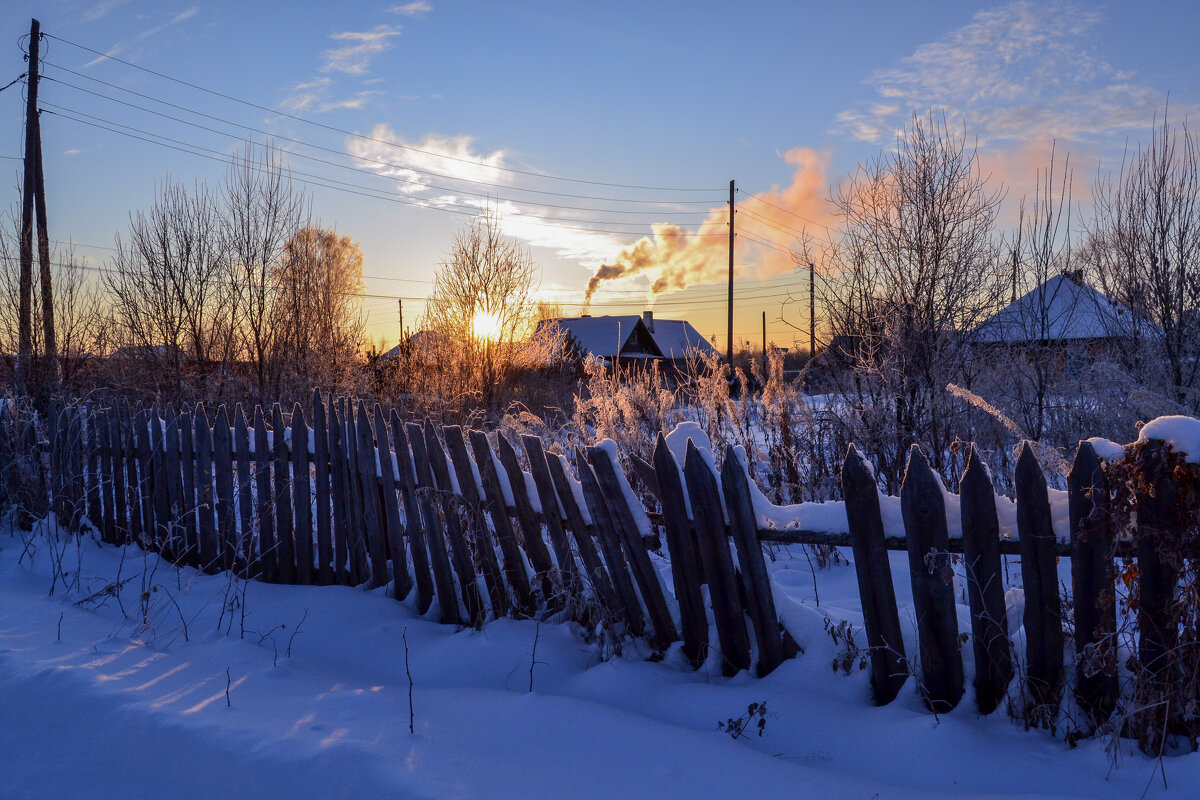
column 648, row 320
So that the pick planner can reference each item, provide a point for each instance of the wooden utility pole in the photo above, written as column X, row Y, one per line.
column 729, row 347
column 812, row 312
column 400, row 304
column 764, row 354
column 33, row 199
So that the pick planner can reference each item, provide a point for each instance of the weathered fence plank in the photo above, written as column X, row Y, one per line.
column 356, row 543
column 190, row 537
column 427, row 501
column 95, row 511
column 985, row 585
column 107, row 473
column 881, row 618
column 205, row 507
column 593, row 565
column 631, row 539
column 1039, row 576
column 932, row 577
column 530, row 524
column 629, row 608
column 514, row 564
column 551, row 511
column 321, row 486
column 485, row 551
column 162, row 490
column 422, row 570
column 172, row 446
column 120, row 475
column 372, row 516
column 146, row 477
column 132, row 482
column 301, row 497
column 267, row 558
column 760, row 601
column 1092, row 586
column 245, row 483
column 709, row 518
column 685, row 572
column 285, row 547
column 460, row 551
column 223, row 468
column 402, row 581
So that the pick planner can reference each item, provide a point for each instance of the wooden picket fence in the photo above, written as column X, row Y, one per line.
column 346, row 493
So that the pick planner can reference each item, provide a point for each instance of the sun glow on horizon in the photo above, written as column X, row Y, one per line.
column 485, row 325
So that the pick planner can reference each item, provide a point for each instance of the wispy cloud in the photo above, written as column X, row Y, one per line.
column 457, row 162
column 1019, row 71
column 145, row 36
column 363, row 46
column 417, row 9
column 101, row 9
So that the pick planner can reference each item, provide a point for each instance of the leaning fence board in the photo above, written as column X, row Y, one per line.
column 223, row 469
column 131, row 475
column 339, row 491
column 369, row 479
column 427, row 492
column 630, row 537
column 932, row 576
column 162, row 481
column 1039, row 576
column 881, row 618
column 717, row 560
column 460, row 553
column 301, row 497
column 685, row 571
column 94, row 509
column 735, row 484
column 321, row 485
column 285, row 549
column 76, row 458
column 245, row 499
column 187, row 455
column 530, row 524
column 985, row 585
column 485, row 552
column 422, row 572
column 174, row 480
column 145, row 485
column 266, row 559
column 107, row 493
column 357, row 543
column 206, row 528
column 628, row 607
column 514, row 565
column 403, row 582
column 593, row 565
column 1092, row 586
column 551, row 511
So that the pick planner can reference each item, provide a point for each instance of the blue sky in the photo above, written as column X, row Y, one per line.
column 783, row 97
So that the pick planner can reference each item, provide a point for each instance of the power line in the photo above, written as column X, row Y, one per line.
column 367, row 159
column 785, row 211
column 344, row 132
column 333, row 183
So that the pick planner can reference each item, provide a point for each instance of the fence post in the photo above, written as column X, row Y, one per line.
column 743, row 525
column 1158, row 630
column 985, row 585
column 684, row 568
column 709, row 519
column 889, row 665
column 1039, row 575
column 932, row 576
column 1092, row 586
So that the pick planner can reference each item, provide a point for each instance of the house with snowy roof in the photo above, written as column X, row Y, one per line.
column 630, row 339
column 1064, row 311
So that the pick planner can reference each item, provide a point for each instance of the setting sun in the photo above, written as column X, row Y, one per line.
column 485, row 325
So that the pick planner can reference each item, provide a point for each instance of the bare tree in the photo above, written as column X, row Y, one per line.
column 482, row 307
column 1145, row 249
column 262, row 213
column 913, row 270
column 319, row 328
column 172, row 298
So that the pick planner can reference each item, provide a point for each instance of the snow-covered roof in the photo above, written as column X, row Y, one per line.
column 1061, row 309
column 609, row 336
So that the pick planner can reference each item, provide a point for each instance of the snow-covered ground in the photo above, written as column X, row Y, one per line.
column 98, row 700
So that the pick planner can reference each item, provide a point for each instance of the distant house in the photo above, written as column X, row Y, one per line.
column 1064, row 311
column 628, row 339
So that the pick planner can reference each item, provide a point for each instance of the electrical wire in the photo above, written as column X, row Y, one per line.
column 785, row 211
column 367, row 159
column 344, row 132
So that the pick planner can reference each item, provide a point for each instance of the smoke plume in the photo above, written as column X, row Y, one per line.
column 768, row 225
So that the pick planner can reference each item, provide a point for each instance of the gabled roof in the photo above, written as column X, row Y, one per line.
column 1061, row 309
column 622, row 335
